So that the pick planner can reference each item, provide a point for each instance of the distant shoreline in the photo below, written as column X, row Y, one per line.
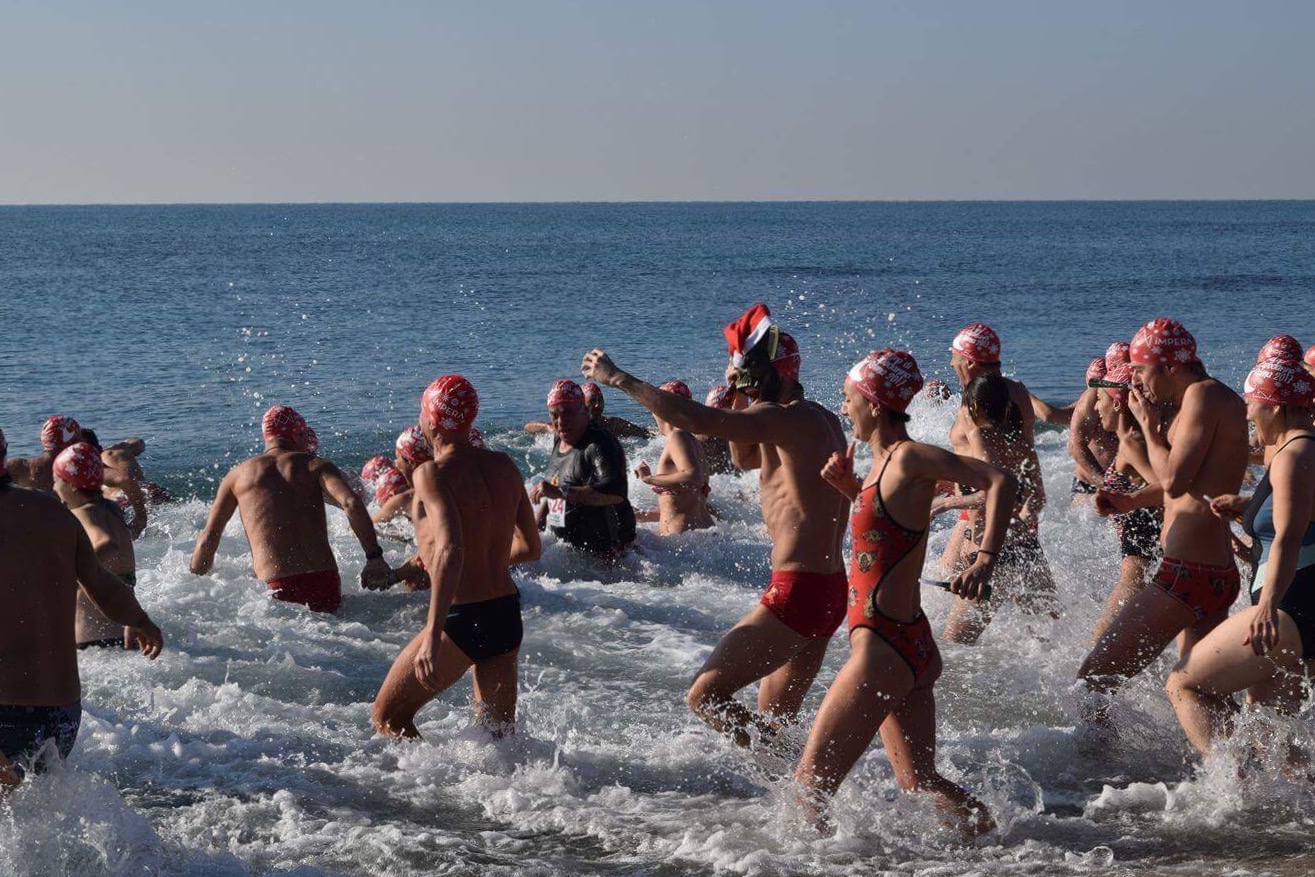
column 660, row 201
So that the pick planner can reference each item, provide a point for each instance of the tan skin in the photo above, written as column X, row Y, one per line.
column 1090, row 444
column 1258, row 649
column 1131, row 460
column 473, row 521
column 1013, row 454
column 681, row 469
column 617, row 426
column 876, row 690
column 34, row 473
column 791, row 440
column 398, row 504
column 1200, row 452
column 124, row 477
column 45, row 556
column 280, row 497
column 112, row 541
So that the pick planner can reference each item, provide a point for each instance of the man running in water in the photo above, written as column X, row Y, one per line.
column 35, row 473
column 44, row 556
column 79, row 481
column 473, row 521
column 887, row 682
column 585, row 497
column 1091, row 446
column 280, row 495
column 1199, row 453
column 783, row 640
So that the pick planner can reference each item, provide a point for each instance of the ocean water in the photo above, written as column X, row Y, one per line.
column 246, row 749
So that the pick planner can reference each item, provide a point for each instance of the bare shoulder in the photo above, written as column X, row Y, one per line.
column 1212, row 393
column 40, row 506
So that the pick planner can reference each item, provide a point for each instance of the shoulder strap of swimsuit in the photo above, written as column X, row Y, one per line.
column 1284, row 446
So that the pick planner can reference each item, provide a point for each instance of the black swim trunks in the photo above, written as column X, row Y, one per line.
column 24, row 731
column 487, row 629
column 1083, row 487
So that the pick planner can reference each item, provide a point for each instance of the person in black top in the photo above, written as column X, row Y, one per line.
column 584, row 497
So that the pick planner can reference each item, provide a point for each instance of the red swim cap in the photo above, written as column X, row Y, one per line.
column 719, row 397
column 978, row 343
column 1281, row 382
column 477, row 439
column 449, row 404
column 888, row 377
column 80, row 466
column 1163, row 341
column 375, row 466
column 390, row 484
column 938, row 390
column 680, row 388
column 1120, row 375
column 593, row 395
column 413, row 447
column 1280, row 347
column 58, row 432
column 1116, row 355
column 285, row 426
column 566, row 394
column 1097, row 369
column 787, row 359
column 311, row 441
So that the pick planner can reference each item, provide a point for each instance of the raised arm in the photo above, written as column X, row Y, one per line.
column 203, row 556
column 441, row 535
column 1058, row 415
column 115, row 599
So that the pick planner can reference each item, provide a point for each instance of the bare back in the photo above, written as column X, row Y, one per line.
column 39, row 542
column 281, row 500
column 805, row 516
column 487, row 490
column 112, row 541
column 34, row 473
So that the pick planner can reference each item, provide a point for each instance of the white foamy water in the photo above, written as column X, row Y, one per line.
column 247, row 748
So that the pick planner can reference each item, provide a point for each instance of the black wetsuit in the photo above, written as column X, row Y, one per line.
column 597, row 461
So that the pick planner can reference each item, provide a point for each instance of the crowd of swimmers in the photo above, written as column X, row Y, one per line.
column 1159, row 447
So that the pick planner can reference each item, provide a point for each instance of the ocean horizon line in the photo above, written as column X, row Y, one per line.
column 648, row 201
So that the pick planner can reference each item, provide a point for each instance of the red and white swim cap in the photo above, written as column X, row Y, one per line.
column 888, row 377
column 1163, row 341
column 593, row 395
column 1281, row 382
column 449, row 404
column 390, row 483
column 719, row 396
column 1120, row 375
column 375, row 466
column 680, row 388
column 787, row 360
column 477, row 439
column 566, row 394
column 1116, row 355
column 413, row 447
column 979, row 343
column 285, row 426
column 1280, row 347
column 58, row 432
column 1097, row 369
column 80, row 466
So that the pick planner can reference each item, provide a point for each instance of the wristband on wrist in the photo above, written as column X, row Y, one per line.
column 374, row 555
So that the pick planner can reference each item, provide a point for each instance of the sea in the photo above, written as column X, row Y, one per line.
column 246, row 749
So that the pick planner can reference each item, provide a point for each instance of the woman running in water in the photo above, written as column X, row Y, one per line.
column 681, row 480
column 1269, row 649
column 1128, row 496
column 887, row 682
column 1022, row 574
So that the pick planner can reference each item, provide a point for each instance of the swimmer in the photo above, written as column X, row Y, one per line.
column 1280, row 347
column 594, row 404
column 1197, row 453
column 584, row 497
column 393, row 495
column 717, row 451
column 995, row 436
column 1091, row 446
column 937, row 391
column 1130, row 495
column 36, row 473
column 887, row 682
column 79, row 481
column 280, row 494
column 473, row 521
column 783, row 640
column 681, row 480
column 44, row 556
column 1268, row 649
column 125, row 483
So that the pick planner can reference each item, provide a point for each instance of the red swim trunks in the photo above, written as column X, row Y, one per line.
column 1206, row 590
column 321, row 591
column 811, row 604
column 911, row 640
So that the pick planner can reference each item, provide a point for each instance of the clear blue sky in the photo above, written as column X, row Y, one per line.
column 667, row 99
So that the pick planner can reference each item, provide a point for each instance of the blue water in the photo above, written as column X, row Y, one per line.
column 247, row 750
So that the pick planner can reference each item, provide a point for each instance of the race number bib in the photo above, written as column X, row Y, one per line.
column 557, row 513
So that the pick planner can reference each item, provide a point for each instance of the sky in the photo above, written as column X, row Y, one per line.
column 612, row 100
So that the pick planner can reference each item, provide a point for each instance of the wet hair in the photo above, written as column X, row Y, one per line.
column 987, row 398
column 900, row 417
column 89, row 436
